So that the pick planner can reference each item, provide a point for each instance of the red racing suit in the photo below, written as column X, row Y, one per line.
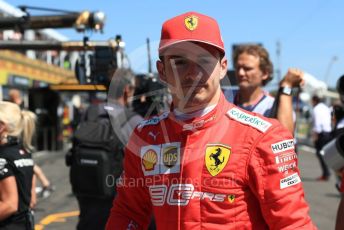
column 230, row 169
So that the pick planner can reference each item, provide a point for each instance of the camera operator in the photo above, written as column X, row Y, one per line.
column 100, row 137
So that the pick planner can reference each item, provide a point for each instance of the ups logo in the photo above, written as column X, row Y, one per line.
column 170, row 156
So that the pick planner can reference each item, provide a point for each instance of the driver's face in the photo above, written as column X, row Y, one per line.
column 193, row 73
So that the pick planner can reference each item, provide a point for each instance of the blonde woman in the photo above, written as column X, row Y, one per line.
column 16, row 167
column 14, row 95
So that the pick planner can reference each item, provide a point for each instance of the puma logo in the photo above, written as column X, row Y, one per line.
column 153, row 135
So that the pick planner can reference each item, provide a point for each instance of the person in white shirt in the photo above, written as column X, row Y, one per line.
column 321, row 132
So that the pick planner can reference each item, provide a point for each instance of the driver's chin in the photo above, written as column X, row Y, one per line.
column 194, row 103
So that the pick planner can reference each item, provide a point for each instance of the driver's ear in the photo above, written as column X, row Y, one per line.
column 223, row 65
column 161, row 70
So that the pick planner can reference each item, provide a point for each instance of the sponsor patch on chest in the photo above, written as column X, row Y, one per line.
column 182, row 194
column 249, row 119
column 216, row 158
column 160, row 159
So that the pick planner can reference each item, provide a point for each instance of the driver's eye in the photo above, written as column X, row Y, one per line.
column 180, row 61
column 205, row 61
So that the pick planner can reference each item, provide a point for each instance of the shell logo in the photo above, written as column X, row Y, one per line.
column 149, row 160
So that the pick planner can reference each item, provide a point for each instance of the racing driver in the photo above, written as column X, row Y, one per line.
column 206, row 164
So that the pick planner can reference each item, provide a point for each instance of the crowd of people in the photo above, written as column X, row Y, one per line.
column 209, row 162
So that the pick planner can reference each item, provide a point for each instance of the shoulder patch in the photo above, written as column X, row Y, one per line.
column 249, row 119
column 152, row 121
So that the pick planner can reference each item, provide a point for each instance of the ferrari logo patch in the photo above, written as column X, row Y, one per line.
column 191, row 22
column 231, row 198
column 216, row 158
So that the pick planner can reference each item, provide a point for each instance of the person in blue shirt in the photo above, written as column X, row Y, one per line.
column 253, row 70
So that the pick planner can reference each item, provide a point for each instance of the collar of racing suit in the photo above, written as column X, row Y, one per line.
column 186, row 116
column 198, row 123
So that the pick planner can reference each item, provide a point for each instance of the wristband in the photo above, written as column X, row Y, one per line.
column 285, row 90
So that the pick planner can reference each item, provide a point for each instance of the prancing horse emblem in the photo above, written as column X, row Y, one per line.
column 216, row 158
column 191, row 22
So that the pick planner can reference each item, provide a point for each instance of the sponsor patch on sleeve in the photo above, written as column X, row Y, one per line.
column 249, row 119
column 285, row 157
column 284, row 168
column 290, row 181
column 282, row 146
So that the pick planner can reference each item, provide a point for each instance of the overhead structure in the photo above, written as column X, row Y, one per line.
column 56, row 45
column 96, row 57
column 81, row 21
column 92, row 68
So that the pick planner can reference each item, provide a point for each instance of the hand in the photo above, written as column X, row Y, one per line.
column 293, row 78
column 33, row 202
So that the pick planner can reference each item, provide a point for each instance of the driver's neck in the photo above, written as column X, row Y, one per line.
column 198, row 113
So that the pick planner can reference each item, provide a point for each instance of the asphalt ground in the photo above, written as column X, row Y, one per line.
column 60, row 210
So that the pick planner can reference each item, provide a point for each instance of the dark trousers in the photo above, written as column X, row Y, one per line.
column 15, row 226
column 93, row 213
column 22, row 221
column 323, row 139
